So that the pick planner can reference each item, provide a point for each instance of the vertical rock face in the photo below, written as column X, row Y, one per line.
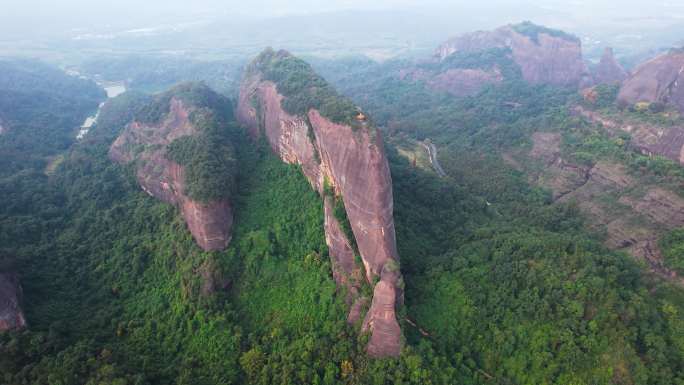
column 608, row 69
column 545, row 56
column 147, row 144
column 658, row 80
column 11, row 315
column 348, row 159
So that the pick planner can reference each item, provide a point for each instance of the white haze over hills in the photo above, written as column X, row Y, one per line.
column 378, row 29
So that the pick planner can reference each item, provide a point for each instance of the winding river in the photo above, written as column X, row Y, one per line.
column 113, row 89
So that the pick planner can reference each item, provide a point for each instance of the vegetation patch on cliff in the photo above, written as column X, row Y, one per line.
column 303, row 88
column 493, row 58
column 192, row 94
column 208, row 158
column 532, row 31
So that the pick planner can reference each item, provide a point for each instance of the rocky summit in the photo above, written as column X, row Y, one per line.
column 608, row 69
column 171, row 143
column 544, row 55
column 660, row 80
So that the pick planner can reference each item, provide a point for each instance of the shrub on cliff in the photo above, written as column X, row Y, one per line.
column 532, row 31
column 208, row 158
column 195, row 94
column 672, row 246
column 303, row 88
column 490, row 59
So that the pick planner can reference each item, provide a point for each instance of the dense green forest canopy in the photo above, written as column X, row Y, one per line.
column 41, row 108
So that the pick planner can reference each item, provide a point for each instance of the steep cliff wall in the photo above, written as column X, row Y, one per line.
column 11, row 315
column 658, row 80
column 345, row 159
column 148, row 144
column 545, row 56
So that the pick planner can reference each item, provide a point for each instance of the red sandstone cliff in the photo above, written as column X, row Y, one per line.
column 11, row 315
column 544, row 56
column 658, row 80
column 353, row 163
column 608, row 69
column 146, row 144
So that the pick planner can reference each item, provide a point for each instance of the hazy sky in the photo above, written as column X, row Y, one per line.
column 48, row 19
column 34, row 15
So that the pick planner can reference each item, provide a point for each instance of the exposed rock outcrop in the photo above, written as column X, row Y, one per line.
column 648, row 139
column 11, row 315
column 658, row 80
column 630, row 214
column 660, row 206
column 147, row 144
column 609, row 70
column 344, row 159
column 545, row 56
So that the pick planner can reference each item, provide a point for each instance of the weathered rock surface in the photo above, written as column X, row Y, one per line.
column 560, row 177
column 648, row 139
column 11, row 315
column 608, row 69
column 550, row 58
column 210, row 223
column 353, row 163
column 658, row 80
column 345, row 270
column 613, row 201
column 660, row 206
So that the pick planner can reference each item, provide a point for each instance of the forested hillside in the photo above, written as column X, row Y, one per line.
column 40, row 110
column 504, row 283
column 533, row 247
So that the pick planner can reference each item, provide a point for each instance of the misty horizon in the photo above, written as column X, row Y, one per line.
column 82, row 25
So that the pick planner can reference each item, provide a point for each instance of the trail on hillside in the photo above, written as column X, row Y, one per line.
column 432, row 153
